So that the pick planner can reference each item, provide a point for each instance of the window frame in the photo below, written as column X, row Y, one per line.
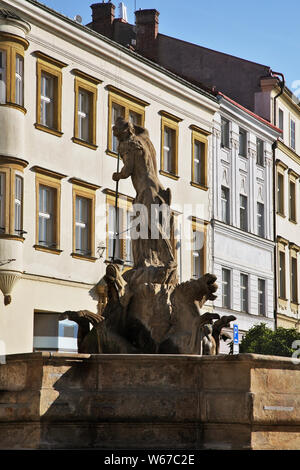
column 171, row 122
column 229, row 282
column 225, row 138
column 293, row 178
column 261, row 217
column 87, row 191
column 244, row 133
column 227, row 221
column 89, row 85
column 53, row 68
column 281, row 245
column 200, row 136
column 263, row 293
column 260, row 158
column 51, row 179
column 281, row 122
column 127, row 101
column 280, row 204
column 246, row 209
column 12, row 45
column 124, row 205
column 244, row 289
column 293, row 133
column 12, row 167
column 199, row 226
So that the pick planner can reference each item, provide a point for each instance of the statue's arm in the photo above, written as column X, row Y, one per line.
column 127, row 170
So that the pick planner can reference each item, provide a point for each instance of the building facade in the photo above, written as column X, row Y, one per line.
column 242, row 215
column 62, row 86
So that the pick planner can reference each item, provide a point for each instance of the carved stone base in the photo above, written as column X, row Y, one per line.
column 64, row 401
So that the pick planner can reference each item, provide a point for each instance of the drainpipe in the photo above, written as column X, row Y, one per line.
column 274, row 146
column 282, row 85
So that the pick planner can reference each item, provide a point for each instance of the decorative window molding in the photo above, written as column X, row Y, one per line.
column 199, row 158
column 12, row 52
column 127, row 106
column 48, row 209
column 198, row 248
column 85, row 113
column 11, row 197
column 169, row 145
column 84, row 200
column 49, row 94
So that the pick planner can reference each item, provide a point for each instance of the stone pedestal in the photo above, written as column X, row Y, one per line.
column 69, row 401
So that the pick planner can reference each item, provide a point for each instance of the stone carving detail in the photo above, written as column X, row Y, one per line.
column 148, row 310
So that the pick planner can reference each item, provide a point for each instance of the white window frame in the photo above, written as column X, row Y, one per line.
column 293, row 134
column 244, row 208
column 83, row 115
column 261, row 300
column 225, row 132
column 168, row 149
column 226, row 283
column 47, row 102
column 260, row 219
column 225, row 205
column 46, row 216
column 260, row 157
column 244, row 292
column 82, row 225
column 242, row 142
column 19, row 92
column 18, row 216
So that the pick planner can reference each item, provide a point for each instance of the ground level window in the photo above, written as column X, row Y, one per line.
column 51, row 333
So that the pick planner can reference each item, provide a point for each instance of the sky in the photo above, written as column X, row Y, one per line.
column 263, row 31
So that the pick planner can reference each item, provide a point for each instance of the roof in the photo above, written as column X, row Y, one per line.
column 256, row 116
column 126, row 50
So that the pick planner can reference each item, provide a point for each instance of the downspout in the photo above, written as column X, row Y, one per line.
column 274, row 147
column 282, row 85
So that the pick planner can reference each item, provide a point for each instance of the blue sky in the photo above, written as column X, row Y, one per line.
column 263, row 31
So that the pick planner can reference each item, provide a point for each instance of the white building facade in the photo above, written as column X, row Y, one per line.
column 61, row 87
column 242, row 215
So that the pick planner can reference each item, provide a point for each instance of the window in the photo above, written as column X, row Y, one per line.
column 293, row 134
column 18, row 205
column 118, row 229
column 49, row 94
column 242, row 142
column 19, row 91
column 260, row 152
column 260, row 219
column 48, row 200
column 47, row 204
column 261, row 289
column 198, row 249
column 244, row 292
column 199, row 157
column 84, row 200
column 225, row 205
column 48, row 84
column 226, row 288
column 12, row 52
column 282, row 292
column 122, row 104
column 280, row 121
column 280, row 193
column 11, row 197
column 292, row 206
column 224, row 133
column 85, row 109
column 2, row 77
column 169, row 144
column 2, row 202
column 50, row 333
column 243, row 212
column 294, row 279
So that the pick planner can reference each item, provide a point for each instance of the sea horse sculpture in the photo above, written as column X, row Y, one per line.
column 148, row 310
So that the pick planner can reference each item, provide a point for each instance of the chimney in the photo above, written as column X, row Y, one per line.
column 103, row 15
column 147, row 32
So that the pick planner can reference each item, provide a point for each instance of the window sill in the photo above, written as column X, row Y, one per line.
column 260, row 165
column 92, row 259
column 293, row 221
column 111, row 153
column 281, row 215
column 53, row 251
column 8, row 236
column 169, row 175
column 84, row 143
column 14, row 106
column 199, row 186
column 49, row 130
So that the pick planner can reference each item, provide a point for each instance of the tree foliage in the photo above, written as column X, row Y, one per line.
column 262, row 340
